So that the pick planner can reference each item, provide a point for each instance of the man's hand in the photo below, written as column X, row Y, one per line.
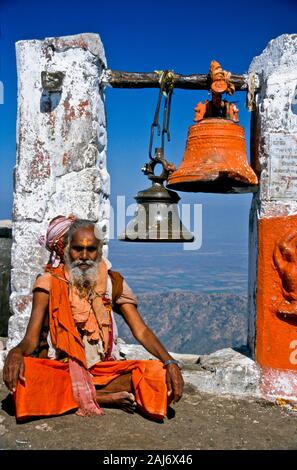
column 150, row 342
column 13, row 369
column 14, row 365
column 175, row 383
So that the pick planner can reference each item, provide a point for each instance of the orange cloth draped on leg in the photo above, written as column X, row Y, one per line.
column 148, row 380
column 48, row 391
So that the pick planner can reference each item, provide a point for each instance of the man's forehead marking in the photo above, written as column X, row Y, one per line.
column 85, row 242
column 83, row 238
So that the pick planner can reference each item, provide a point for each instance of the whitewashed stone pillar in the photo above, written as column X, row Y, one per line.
column 273, row 218
column 61, row 159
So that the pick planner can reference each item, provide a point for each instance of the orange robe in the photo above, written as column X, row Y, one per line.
column 48, row 390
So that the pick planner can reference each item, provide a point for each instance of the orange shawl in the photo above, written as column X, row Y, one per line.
column 64, row 334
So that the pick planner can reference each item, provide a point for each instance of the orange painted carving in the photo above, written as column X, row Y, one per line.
column 208, row 109
column 220, row 79
column 201, row 111
column 285, row 260
column 219, row 84
column 276, row 323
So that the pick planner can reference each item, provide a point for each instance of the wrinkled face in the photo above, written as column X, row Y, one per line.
column 84, row 247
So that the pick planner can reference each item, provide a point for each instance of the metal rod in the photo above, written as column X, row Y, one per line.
column 119, row 79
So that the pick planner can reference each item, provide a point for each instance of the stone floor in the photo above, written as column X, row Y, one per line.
column 201, row 421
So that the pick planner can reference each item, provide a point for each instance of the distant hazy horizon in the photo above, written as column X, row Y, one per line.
column 218, row 267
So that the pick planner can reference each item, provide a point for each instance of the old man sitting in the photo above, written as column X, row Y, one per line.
column 73, row 333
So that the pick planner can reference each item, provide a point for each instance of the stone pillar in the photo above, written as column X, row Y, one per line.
column 61, row 143
column 273, row 220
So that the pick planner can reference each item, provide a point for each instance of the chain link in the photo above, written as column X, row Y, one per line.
column 166, row 80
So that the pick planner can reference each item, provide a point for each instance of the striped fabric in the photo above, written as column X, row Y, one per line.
column 84, row 391
column 53, row 241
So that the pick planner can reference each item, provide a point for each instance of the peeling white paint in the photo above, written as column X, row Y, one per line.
column 61, row 153
column 276, row 69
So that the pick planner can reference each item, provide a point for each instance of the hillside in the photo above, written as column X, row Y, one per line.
column 187, row 322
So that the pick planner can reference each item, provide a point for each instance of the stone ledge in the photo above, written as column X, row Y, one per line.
column 225, row 372
column 229, row 373
column 136, row 351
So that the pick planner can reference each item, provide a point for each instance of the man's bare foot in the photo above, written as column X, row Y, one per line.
column 123, row 400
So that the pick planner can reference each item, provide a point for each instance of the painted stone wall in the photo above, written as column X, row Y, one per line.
column 61, row 152
column 273, row 220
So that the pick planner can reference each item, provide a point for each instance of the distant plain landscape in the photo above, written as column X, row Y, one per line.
column 216, row 267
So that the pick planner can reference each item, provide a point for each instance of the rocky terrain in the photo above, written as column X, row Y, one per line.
column 187, row 322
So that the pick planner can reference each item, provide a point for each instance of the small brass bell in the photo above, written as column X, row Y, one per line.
column 215, row 158
column 156, row 218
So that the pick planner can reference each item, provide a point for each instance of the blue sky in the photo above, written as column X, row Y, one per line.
column 145, row 36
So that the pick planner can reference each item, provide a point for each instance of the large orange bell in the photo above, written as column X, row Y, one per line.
column 215, row 158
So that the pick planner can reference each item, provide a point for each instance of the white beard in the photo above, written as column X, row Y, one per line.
column 86, row 279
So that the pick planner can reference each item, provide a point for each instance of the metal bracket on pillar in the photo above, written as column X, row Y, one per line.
column 52, row 81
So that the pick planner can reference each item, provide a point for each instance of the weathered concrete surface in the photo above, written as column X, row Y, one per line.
column 275, row 113
column 61, row 152
column 3, row 351
column 228, row 372
column 131, row 351
column 224, row 372
column 274, row 153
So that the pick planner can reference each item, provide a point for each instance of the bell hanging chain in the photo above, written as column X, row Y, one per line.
column 166, row 81
column 166, row 88
column 169, row 80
